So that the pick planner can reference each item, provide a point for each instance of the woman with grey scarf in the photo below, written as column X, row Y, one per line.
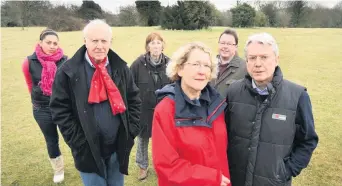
column 149, row 75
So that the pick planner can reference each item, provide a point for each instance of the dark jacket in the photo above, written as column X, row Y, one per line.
column 189, row 140
column 149, row 78
column 75, row 117
column 35, row 69
column 235, row 70
column 271, row 138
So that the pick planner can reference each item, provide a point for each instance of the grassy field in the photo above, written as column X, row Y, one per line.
column 311, row 57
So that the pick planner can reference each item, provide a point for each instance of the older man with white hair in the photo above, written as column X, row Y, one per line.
column 96, row 105
column 269, row 120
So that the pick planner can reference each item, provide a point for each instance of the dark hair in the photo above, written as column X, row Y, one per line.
column 231, row 32
column 47, row 32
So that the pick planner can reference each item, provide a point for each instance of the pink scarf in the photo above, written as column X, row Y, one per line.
column 48, row 63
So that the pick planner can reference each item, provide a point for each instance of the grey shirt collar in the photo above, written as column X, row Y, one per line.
column 261, row 92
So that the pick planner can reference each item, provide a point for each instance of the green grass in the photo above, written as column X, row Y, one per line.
column 311, row 57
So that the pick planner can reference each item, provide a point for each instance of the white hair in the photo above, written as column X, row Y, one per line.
column 95, row 22
column 263, row 38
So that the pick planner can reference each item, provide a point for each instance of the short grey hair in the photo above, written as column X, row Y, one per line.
column 95, row 22
column 262, row 38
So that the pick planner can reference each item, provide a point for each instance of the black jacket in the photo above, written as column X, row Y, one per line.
column 75, row 118
column 149, row 78
column 35, row 69
column 271, row 138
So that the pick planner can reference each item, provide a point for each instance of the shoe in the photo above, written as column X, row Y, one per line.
column 143, row 174
column 58, row 168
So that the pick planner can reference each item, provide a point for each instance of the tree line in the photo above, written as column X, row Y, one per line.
column 183, row 15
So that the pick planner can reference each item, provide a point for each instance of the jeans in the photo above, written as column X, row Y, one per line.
column 42, row 115
column 114, row 177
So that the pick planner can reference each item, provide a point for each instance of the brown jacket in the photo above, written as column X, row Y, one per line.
column 235, row 70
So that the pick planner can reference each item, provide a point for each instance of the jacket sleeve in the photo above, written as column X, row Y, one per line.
column 167, row 162
column 27, row 75
column 134, row 105
column 306, row 139
column 62, row 112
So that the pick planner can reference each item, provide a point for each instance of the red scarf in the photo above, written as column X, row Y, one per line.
column 102, row 87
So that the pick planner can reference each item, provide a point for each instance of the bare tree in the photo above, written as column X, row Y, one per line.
column 297, row 10
column 238, row 2
column 31, row 11
column 270, row 10
column 24, row 7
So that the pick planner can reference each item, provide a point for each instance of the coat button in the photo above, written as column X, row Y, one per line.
column 253, row 122
column 85, row 111
column 249, row 149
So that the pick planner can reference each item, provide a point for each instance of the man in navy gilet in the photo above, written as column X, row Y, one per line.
column 269, row 120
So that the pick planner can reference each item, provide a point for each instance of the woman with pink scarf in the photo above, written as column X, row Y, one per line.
column 39, row 71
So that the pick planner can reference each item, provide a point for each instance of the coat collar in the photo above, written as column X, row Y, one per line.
column 181, row 97
column 190, row 113
column 272, row 86
column 234, row 62
column 145, row 60
column 74, row 64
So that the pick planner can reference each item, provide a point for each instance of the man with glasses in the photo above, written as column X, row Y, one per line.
column 96, row 105
column 231, row 66
column 269, row 119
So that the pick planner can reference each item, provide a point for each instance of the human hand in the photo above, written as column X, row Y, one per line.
column 224, row 181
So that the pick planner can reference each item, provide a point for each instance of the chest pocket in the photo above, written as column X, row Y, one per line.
column 281, row 124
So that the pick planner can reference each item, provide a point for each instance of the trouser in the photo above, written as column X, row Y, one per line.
column 42, row 115
column 142, row 152
column 114, row 176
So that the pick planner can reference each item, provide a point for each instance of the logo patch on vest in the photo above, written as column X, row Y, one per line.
column 279, row 117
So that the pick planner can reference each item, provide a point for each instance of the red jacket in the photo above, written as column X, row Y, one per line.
column 27, row 75
column 188, row 155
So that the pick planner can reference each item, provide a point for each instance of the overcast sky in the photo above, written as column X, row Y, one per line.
column 114, row 5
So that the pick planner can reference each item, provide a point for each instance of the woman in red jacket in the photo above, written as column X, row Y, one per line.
column 39, row 70
column 189, row 137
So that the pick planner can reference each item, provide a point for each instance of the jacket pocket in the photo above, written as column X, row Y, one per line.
column 288, row 175
column 130, row 142
column 77, row 145
column 282, row 173
column 84, row 160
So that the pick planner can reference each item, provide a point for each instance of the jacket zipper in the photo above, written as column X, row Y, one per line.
column 211, row 115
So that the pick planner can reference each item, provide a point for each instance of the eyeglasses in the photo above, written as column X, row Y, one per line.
column 197, row 66
column 229, row 44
